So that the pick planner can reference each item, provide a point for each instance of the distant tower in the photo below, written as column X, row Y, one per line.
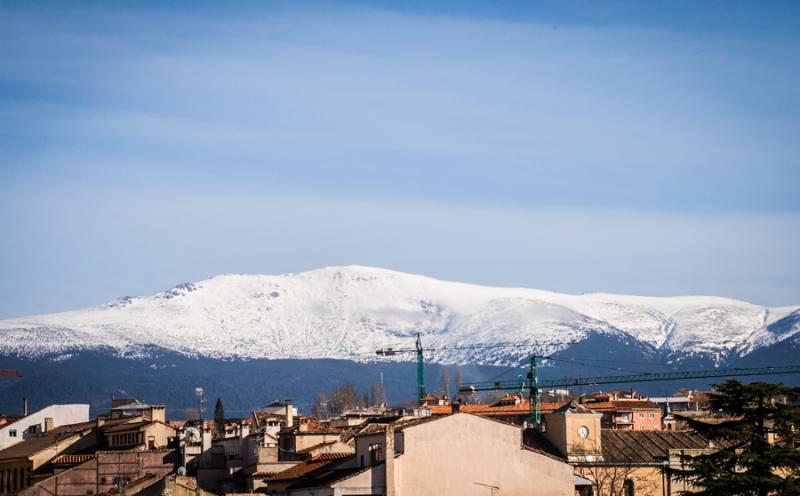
column 201, row 401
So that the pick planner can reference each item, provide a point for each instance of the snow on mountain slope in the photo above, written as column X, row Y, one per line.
column 348, row 312
column 781, row 324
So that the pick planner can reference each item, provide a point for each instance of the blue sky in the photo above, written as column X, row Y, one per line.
column 573, row 146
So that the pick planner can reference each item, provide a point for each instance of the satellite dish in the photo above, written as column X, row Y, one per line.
column 193, row 434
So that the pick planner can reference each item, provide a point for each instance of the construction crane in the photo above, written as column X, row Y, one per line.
column 10, row 373
column 419, row 351
column 533, row 384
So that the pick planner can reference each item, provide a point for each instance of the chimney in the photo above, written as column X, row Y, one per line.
column 24, row 406
column 101, row 421
column 48, row 424
column 389, row 459
column 289, row 414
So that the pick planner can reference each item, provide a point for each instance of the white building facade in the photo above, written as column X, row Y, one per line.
column 41, row 421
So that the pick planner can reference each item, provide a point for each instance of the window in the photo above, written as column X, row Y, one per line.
column 627, row 488
column 12, row 433
column 652, row 415
column 641, row 415
column 375, row 453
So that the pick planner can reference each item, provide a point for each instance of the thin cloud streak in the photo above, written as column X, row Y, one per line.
column 143, row 147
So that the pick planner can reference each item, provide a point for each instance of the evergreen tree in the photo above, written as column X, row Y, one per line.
column 219, row 417
column 755, row 453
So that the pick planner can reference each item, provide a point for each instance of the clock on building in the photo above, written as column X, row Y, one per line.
column 583, row 432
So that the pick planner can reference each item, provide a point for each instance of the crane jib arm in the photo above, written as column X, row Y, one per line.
column 644, row 377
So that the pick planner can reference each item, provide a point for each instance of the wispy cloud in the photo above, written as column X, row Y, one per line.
column 583, row 156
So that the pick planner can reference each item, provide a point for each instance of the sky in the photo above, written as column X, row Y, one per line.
column 628, row 147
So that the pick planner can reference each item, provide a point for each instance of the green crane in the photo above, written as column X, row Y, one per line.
column 533, row 383
column 419, row 351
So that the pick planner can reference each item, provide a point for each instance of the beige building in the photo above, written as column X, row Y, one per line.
column 140, row 433
column 302, row 433
column 20, row 462
column 459, row 454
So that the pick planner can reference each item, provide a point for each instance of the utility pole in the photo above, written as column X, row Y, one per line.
column 534, row 396
column 420, row 370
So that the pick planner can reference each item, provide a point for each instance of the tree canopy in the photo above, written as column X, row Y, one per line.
column 753, row 437
column 219, row 416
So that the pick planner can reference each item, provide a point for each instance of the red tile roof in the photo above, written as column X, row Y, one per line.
column 495, row 409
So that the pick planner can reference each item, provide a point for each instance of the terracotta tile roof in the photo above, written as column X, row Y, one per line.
column 646, row 447
column 441, row 409
column 334, row 455
column 264, row 475
column 71, row 459
column 490, row 409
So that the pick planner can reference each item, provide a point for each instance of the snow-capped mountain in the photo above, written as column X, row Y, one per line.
column 349, row 312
